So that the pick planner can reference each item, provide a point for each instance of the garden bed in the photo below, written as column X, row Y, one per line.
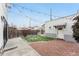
column 34, row 38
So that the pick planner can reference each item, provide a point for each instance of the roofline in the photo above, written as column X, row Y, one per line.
column 65, row 16
column 61, row 17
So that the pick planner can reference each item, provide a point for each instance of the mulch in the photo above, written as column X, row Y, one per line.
column 56, row 48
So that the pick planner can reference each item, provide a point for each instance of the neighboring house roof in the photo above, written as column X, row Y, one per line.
column 71, row 16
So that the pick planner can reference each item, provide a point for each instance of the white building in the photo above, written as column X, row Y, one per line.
column 61, row 27
column 3, row 17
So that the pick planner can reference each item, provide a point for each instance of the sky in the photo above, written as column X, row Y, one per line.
column 35, row 14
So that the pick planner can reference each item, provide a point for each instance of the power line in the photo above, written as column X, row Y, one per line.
column 33, row 10
column 38, row 12
column 30, row 19
column 20, row 11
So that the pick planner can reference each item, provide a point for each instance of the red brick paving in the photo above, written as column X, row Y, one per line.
column 56, row 48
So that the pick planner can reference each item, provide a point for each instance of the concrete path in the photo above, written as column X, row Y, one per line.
column 19, row 47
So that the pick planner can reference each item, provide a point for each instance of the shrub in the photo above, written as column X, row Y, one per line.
column 33, row 38
column 76, row 29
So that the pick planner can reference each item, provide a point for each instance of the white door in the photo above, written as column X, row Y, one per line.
column 60, row 34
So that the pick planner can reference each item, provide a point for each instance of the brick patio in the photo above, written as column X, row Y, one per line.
column 56, row 48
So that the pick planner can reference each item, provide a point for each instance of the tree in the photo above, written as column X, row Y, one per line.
column 76, row 28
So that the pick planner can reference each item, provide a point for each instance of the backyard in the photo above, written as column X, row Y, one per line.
column 47, row 46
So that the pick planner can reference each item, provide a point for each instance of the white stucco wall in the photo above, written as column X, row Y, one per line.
column 2, row 13
column 60, row 21
column 52, row 24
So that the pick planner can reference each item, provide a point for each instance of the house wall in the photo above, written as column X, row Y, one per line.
column 51, row 31
column 2, row 13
